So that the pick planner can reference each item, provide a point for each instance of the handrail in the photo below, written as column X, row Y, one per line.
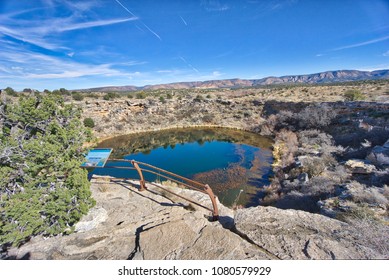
column 200, row 187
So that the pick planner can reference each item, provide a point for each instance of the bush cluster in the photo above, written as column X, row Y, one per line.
column 42, row 188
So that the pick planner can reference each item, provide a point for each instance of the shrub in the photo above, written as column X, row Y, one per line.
column 77, row 96
column 315, row 116
column 140, row 95
column 10, row 91
column 315, row 166
column 110, row 95
column 198, row 98
column 64, row 91
column 208, row 118
column 284, row 148
column 43, row 190
column 89, row 122
column 353, row 95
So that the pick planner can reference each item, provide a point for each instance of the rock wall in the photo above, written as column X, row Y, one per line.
column 247, row 112
column 127, row 116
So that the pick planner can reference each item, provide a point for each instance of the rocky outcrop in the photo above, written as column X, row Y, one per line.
column 128, row 224
column 154, row 225
column 121, row 117
column 357, row 166
column 294, row 234
column 380, row 155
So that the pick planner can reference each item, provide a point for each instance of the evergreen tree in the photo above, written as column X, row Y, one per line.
column 42, row 188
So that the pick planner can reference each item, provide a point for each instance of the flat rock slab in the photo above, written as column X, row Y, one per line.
column 151, row 225
column 294, row 234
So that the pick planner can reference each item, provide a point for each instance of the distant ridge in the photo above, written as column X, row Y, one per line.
column 317, row 78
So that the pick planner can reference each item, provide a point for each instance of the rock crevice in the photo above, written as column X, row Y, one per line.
column 148, row 226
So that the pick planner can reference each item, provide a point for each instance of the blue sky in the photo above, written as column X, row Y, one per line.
column 48, row 44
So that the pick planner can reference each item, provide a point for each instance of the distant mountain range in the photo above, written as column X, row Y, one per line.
column 318, row 78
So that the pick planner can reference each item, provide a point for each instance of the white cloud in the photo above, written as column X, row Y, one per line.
column 90, row 24
column 386, row 53
column 43, row 31
column 30, row 65
column 362, row 43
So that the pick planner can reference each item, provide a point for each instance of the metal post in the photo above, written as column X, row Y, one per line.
column 142, row 180
column 215, row 213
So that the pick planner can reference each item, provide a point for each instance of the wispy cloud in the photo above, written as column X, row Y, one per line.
column 29, row 36
column 146, row 26
column 280, row 4
column 365, row 43
column 189, row 65
column 386, row 53
column 41, row 32
column 31, row 65
column 224, row 54
column 214, row 6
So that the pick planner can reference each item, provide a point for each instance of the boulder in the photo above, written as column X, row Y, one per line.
column 294, row 234
column 380, row 155
column 303, row 177
column 357, row 166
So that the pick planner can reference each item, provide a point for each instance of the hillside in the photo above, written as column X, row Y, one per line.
column 317, row 78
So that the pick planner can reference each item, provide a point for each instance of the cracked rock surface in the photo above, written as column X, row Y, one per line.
column 151, row 225
column 294, row 234
column 154, row 225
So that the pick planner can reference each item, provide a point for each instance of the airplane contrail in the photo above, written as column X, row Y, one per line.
column 183, row 20
column 189, row 65
column 131, row 13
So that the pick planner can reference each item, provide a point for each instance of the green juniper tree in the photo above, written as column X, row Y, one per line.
column 42, row 188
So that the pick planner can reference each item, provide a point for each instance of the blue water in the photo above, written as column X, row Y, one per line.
column 185, row 159
column 235, row 171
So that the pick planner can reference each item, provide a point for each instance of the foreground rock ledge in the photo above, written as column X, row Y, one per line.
column 293, row 234
column 153, row 225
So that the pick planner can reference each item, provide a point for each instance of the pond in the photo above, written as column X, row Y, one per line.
column 235, row 164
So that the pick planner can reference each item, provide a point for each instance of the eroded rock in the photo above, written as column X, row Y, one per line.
column 380, row 154
column 128, row 224
column 357, row 166
column 293, row 234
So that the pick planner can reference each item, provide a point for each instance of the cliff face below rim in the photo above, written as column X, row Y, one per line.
column 120, row 117
column 154, row 225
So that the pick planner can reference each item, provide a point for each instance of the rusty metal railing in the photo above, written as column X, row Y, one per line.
column 142, row 167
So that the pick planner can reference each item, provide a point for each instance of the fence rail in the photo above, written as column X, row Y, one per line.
column 142, row 167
